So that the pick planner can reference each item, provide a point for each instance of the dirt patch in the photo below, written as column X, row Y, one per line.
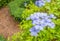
column 8, row 25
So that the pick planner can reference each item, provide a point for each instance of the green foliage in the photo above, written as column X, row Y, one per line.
column 31, row 8
column 53, row 7
column 4, row 2
column 22, row 36
column 21, row 12
column 47, row 34
column 2, row 38
column 16, row 8
column 25, row 25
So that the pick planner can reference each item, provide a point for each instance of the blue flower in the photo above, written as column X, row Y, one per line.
column 46, row 17
column 52, row 16
column 48, row 20
column 52, row 25
column 39, row 21
column 43, row 15
column 35, row 22
column 42, row 21
column 33, row 29
column 39, row 27
column 43, row 25
column 37, row 14
column 40, row 3
column 33, row 17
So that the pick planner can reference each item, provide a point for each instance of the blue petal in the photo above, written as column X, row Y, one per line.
column 42, row 21
column 48, row 20
column 35, row 22
column 33, row 17
column 52, row 25
column 33, row 29
column 40, row 3
column 38, row 27
column 44, row 24
column 52, row 16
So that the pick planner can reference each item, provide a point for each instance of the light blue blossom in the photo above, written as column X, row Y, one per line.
column 39, row 27
column 52, row 25
column 39, row 21
column 33, row 29
column 52, row 16
column 35, row 22
column 42, row 21
column 47, row 17
column 43, row 15
column 48, row 20
column 43, row 25
column 33, row 17
column 40, row 3
column 38, row 14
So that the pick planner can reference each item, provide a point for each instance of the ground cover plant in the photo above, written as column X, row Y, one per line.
column 23, row 11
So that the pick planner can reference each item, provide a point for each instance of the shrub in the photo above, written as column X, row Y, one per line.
column 17, row 7
column 4, row 2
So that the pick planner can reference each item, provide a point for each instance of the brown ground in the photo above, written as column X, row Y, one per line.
column 8, row 25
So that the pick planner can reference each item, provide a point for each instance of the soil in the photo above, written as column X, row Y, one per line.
column 8, row 26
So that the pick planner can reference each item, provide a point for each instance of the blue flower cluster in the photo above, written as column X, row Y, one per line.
column 39, row 21
column 40, row 3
